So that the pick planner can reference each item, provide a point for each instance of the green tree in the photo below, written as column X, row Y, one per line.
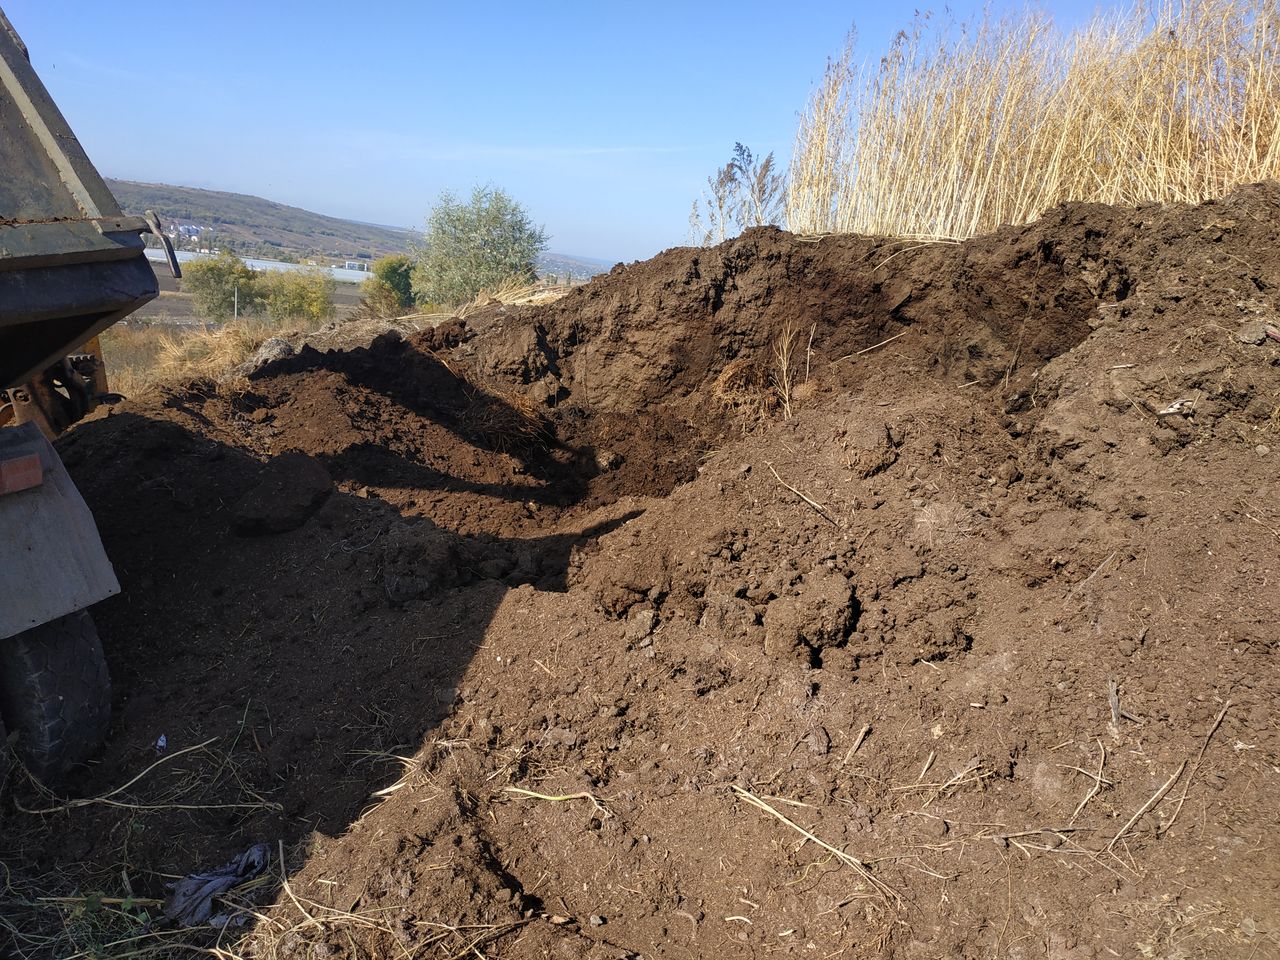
column 474, row 246
column 218, row 283
column 389, row 292
column 396, row 271
column 297, row 295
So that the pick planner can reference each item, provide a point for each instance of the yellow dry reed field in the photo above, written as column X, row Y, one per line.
column 959, row 130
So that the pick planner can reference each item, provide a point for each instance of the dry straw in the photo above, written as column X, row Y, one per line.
column 959, row 130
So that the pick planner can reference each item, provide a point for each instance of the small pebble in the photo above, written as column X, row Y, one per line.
column 597, row 920
column 1252, row 332
column 1262, row 449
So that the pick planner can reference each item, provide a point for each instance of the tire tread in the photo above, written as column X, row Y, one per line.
column 54, row 689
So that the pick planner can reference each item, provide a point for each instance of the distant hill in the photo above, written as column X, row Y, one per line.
column 254, row 227
column 561, row 265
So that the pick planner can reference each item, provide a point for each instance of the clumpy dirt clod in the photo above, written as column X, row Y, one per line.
column 595, row 629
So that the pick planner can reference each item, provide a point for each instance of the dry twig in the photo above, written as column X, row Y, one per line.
column 1149, row 805
column 874, row 346
column 1098, row 780
column 859, row 867
column 822, row 511
column 1196, row 766
column 106, row 800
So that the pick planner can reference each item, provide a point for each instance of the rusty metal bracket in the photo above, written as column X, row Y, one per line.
column 147, row 223
column 153, row 224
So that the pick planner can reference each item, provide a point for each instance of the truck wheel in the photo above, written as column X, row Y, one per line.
column 55, row 692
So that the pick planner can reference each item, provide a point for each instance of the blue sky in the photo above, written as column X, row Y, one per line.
column 603, row 119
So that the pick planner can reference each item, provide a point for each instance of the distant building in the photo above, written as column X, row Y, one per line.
column 356, row 265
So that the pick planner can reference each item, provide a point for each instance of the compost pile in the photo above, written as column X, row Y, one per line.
column 798, row 596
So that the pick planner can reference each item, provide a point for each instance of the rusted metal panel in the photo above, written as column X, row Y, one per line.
column 70, row 262
column 20, row 473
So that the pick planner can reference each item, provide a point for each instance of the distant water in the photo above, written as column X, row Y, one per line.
column 341, row 274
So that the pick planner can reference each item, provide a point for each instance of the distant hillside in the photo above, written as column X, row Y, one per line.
column 254, row 227
column 561, row 265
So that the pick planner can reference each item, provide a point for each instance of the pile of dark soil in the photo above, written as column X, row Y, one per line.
column 827, row 597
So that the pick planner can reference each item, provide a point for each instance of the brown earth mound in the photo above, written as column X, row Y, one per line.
column 817, row 596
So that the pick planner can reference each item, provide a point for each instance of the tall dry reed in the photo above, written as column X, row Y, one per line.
column 959, row 129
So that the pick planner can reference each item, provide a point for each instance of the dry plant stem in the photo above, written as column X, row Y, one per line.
column 1150, row 804
column 822, row 511
column 808, row 353
column 862, row 735
column 1097, row 781
column 284, row 880
column 333, row 917
column 886, row 892
column 1274, row 532
column 1196, row 766
column 1089, row 579
column 927, row 764
column 561, row 798
column 106, row 797
column 874, row 346
column 782, row 352
column 156, row 942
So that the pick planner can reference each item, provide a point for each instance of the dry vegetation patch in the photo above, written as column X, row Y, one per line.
column 961, row 129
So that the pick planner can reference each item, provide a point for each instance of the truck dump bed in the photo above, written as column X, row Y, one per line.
column 70, row 263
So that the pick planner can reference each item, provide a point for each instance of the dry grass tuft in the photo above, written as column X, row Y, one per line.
column 90, row 910
column 214, row 353
column 944, row 524
column 513, row 293
column 131, row 354
column 140, row 357
column 784, row 357
column 507, row 422
column 744, row 386
column 763, row 387
column 959, row 130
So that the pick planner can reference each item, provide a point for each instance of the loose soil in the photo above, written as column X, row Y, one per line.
column 816, row 596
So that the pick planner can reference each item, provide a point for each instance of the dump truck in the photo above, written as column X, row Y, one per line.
column 71, row 264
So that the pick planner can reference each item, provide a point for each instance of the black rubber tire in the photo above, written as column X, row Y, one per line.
column 4, row 759
column 55, row 691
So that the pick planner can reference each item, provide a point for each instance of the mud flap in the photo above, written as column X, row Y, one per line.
column 51, row 559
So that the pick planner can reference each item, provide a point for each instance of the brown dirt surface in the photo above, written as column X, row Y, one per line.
column 748, row 601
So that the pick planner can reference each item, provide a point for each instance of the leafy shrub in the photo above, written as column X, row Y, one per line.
column 471, row 246
column 396, row 273
column 296, row 295
column 219, row 285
